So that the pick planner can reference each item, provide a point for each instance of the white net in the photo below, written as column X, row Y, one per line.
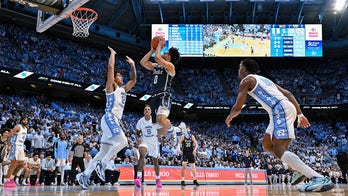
column 82, row 18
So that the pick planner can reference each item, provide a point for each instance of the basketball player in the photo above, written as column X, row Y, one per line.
column 113, row 139
column 149, row 145
column 4, row 149
column 188, row 154
column 282, row 108
column 163, row 73
column 17, row 155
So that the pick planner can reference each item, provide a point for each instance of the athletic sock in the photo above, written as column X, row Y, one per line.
column 296, row 163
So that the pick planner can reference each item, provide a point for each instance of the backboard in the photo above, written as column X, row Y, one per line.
column 51, row 11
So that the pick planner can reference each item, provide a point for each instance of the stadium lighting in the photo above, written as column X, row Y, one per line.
column 339, row 5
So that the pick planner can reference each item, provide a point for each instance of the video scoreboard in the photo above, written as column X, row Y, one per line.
column 242, row 40
column 296, row 40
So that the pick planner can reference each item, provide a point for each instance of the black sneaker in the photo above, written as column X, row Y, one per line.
column 183, row 183
column 195, row 183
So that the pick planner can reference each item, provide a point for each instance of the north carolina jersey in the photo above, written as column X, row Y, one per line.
column 115, row 102
column 149, row 135
column 162, row 81
column 19, row 137
column 266, row 93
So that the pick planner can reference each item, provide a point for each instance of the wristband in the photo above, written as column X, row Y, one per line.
column 299, row 116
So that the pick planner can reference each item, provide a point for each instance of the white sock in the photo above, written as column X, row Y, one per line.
column 61, row 174
column 157, row 177
column 297, row 164
column 139, row 174
column 117, row 147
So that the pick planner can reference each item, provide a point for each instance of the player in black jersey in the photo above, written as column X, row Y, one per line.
column 188, row 151
column 163, row 73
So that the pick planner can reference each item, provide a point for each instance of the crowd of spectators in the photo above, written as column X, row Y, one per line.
column 324, row 83
column 219, row 146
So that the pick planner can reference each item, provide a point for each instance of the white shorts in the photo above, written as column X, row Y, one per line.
column 111, row 128
column 163, row 110
column 17, row 153
column 281, row 124
column 61, row 163
column 152, row 148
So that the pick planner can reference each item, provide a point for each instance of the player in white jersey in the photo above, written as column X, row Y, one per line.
column 113, row 139
column 17, row 155
column 282, row 108
column 149, row 145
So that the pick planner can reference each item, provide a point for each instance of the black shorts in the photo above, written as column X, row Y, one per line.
column 188, row 157
column 160, row 104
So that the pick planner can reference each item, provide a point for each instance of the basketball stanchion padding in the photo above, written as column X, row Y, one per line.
column 82, row 18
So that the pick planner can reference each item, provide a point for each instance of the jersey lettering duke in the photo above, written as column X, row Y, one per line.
column 187, row 149
column 115, row 103
column 281, row 111
column 161, row 101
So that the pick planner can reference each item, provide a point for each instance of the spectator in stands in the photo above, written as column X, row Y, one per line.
column 38, row 142
column 48, row 171
column 112, row 173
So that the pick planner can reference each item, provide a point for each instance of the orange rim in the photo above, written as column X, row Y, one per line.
column 73, row 17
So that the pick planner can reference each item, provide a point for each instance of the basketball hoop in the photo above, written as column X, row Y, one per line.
column 82, row 18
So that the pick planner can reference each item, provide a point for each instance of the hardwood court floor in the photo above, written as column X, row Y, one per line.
column 176, row 190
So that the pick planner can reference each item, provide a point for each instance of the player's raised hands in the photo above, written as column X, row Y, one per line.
column 112, row 51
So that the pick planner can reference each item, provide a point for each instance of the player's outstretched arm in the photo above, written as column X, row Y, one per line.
column 238, row 105
column 133, row 76
column 145, row 61
column 111, row 71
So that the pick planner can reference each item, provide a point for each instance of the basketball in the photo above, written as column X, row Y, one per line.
column 155, row 40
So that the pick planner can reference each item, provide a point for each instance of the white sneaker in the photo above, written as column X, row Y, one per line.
column 317, row 184
column 108, row 184
column 24, row 183
column 116, row 184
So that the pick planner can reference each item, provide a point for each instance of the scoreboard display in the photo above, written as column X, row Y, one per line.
column 296, row 40
column 242, row 40
column 188, row 38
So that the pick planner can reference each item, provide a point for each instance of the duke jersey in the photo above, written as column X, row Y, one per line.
column 19, row 137
column 187, row 144
column 266, row 93
column 162, row 81
column 149, row 135
column 115, row 102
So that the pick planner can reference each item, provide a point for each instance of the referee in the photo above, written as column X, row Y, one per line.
column 78, row 151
